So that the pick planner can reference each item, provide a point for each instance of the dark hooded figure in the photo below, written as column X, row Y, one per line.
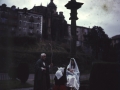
column 60, row 79
column 42, row 78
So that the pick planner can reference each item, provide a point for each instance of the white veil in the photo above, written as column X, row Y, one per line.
column 76, row 70
column 76, row 66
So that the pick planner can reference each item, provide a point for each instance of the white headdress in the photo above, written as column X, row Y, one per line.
column 76, row 75
column 76, row 66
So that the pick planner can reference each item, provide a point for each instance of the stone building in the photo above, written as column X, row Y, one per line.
column 54, row 24
column 30, row 24
column 80, row 32
column 115, row 39
column 8, row 20
column 17, row 22
column 40, row 21
column 116, row 45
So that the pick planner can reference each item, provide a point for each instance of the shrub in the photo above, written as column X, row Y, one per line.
column 24, row 41
column 23, row 72
column 105, row 76
column 18, row 41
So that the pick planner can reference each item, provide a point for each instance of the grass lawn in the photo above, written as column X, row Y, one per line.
column 13, row 84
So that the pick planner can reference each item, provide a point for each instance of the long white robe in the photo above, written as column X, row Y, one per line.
column 73, row 78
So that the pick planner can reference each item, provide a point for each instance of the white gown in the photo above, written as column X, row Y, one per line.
column 73, row 78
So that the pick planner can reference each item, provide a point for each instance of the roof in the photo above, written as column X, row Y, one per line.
column 116, row 37
column 80, row 26
column 51, row 4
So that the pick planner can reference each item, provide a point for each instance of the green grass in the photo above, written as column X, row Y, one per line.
column 13, row 84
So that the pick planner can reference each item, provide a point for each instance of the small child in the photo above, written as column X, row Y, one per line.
column 60, row 79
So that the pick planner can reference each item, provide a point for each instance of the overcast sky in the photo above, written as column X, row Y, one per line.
column 104, row 13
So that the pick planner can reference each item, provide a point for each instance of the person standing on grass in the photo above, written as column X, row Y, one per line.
column 42, row 78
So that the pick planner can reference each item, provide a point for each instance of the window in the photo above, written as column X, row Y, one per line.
column 38, row 18
column 37, row 25
column 31, row 31
column 25, row 23
column 3, row 20
column 3, row 14
column 86, row 31
column 20, row 16
column 20, row 22
column 31, row 19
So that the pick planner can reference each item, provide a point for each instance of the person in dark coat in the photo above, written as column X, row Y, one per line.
column 42, row 78
column 60, row 79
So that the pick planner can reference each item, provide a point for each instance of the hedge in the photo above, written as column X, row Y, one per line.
column 23, row 72
column 18, row 41
column 105, row 76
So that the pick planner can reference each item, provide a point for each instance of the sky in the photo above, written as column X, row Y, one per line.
column 103, row 13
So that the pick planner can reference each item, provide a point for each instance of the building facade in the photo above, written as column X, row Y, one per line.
column 80, row 32
column 54, row 24
column 40, row 21
column 30, row 24
column 19, row 22
column 116, row 45
column 115, row 39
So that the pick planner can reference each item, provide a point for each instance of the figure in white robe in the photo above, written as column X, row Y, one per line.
column 73, row 75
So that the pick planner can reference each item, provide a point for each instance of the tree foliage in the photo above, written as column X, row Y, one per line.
column 98, row 40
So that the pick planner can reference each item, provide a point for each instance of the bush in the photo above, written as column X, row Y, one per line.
column 18, row 41
column 24, row 41
column 105, row 76
column 23, row 72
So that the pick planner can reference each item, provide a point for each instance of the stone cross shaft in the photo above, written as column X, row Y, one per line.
column 73, row 6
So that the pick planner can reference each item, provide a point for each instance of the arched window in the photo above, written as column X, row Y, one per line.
column 31, row 19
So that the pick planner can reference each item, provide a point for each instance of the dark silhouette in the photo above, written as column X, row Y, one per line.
column 98, row 40
column 42, row 78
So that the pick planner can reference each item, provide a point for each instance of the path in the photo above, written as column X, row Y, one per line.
column 4, row 76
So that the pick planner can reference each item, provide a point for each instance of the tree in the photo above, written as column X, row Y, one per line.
column 98, row 40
